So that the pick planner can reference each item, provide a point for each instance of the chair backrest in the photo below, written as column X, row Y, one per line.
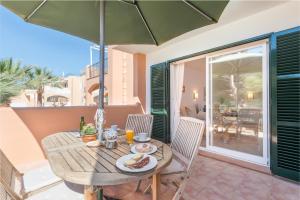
column 188, row 137
column 186, row 141
column 140, row 123
column 11, row 179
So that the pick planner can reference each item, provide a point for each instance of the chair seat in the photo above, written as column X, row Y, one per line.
column 58, row 192
column 174, row 167
column 39, row 177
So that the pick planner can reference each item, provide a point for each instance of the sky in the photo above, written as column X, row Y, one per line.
column 35, row 45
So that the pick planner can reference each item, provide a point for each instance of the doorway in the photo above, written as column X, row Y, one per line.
column 229, row 90
column 237, row 120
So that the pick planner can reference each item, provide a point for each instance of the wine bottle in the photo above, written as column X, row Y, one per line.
column 82, row 123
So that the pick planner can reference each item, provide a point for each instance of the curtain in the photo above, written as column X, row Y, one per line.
column 176, row 82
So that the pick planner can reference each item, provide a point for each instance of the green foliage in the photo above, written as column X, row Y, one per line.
column 14, row 78
column 89, row 129
column 39, row 77
column 8, row 88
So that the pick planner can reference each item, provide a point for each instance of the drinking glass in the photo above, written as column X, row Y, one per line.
column 129, row 136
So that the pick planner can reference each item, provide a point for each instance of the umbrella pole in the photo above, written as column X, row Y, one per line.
column 100, row 111
column 102, row 54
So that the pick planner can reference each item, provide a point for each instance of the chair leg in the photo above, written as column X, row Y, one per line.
column 164, row 183
column 176, row 184
column 137, row 189
column 148, row 189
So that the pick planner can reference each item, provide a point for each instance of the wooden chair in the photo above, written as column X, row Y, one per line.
column 140, row 123
column 7, row 194
column 12, row 182
column 249, row 118
column 11, row 179
column 185, row 146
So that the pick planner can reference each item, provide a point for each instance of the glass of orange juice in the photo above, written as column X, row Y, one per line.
column 129, row 136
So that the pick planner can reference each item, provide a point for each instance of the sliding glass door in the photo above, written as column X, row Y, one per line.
column 237, row 101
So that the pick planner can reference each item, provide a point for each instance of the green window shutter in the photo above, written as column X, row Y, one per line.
column 285, row 100
column 160, row 101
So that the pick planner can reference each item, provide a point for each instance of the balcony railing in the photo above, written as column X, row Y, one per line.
column 93, row 70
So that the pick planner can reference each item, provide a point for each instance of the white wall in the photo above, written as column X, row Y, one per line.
column 194, row 79
column 281, row 17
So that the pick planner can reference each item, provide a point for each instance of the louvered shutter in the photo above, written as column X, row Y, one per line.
column 285, row 106
column 160, row 101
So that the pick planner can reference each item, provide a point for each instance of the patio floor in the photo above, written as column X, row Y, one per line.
column 217, row 180
column 211, row 180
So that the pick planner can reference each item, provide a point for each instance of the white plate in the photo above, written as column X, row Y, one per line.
column 154, row 149
column 137, row 139
column 151, row 165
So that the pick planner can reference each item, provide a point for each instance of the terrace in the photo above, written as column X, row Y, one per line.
column 212, row 177
column 260, row 163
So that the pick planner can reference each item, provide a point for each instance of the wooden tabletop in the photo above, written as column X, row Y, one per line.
column 71, row 160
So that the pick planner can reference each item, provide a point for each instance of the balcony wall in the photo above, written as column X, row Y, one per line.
column 22, row 129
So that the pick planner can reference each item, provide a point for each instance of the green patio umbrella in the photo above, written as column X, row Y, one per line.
column 119, row 22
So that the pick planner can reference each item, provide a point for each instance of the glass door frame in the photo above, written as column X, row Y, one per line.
column 264, row 160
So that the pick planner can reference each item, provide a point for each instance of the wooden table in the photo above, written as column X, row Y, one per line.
column 71, row 160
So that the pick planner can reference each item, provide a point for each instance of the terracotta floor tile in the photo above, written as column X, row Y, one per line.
column 221, row 187
column 210, row 194
column 215, row 180
column 284, row 190
column 239, row 195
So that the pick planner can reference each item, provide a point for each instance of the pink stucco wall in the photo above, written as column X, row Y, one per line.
column 140, row 78
column 22, row 129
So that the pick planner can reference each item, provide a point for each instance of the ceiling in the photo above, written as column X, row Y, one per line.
column 235, row 10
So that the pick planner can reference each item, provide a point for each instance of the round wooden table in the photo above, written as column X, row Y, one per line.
column 71, row 160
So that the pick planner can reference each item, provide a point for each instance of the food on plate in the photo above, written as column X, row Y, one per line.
column 138, row 156
column 133, row 160
column 143, row 148
column 137, row 161
column 141, row 163
column 129, row 163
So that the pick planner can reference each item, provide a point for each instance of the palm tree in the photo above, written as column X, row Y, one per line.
column 39, row 78
column 12, row 79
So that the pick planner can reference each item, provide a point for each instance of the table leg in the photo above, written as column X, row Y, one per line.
column 90, row 193
column 155, row 186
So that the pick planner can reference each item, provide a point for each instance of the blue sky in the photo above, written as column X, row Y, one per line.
column 36, row 45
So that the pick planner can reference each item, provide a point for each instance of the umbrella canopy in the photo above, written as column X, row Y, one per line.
column 119, row 22
column 126, row 21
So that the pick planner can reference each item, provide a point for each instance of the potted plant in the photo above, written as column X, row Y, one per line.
column 89, row 133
